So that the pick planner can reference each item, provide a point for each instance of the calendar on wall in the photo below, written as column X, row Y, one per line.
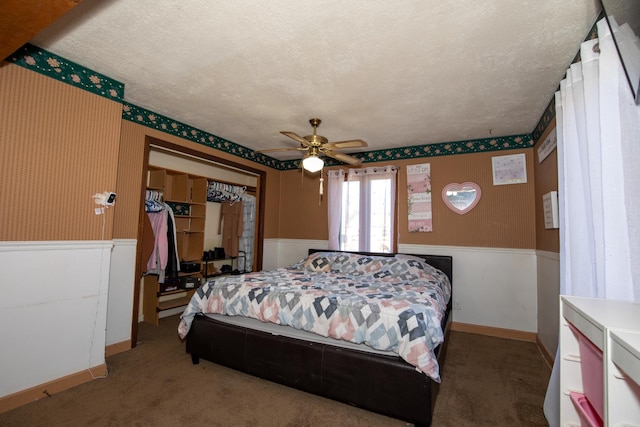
column 419, row 198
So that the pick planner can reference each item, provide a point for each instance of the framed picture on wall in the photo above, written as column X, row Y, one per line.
column 511, row 169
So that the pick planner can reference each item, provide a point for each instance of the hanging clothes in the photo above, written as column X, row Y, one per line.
column 163, row 260
column 158, row 259
column 173, row 263
column 153, row 201
column 230, row 227
column 221, row 192
column 148, row 240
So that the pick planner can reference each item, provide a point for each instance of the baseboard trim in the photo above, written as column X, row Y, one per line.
column 116, row 348
column 545, row 353
column 494, row 332
column 47, row 389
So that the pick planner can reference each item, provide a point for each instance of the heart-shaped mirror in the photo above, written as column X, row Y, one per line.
column 461, row 198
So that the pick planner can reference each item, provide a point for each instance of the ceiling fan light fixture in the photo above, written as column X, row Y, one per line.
column 312, row 163
column 317, row 145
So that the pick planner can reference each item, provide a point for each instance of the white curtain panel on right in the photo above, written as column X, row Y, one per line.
column 598, row 128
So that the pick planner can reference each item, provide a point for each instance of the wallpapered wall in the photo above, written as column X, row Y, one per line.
column 546, row 175
column 59, row 147
column 130, row 179
column 504, row 217
column 74, row 142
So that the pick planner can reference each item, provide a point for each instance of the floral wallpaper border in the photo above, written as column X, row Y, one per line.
column 165, row 124
column 49, row 64
column 433, row 150
column 550, row 112
column 43, row 62
column 153, row 120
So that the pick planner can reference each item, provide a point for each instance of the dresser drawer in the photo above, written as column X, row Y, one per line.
column 625, row 353
column 594, row 332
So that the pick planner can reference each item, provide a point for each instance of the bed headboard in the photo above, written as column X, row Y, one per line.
column 443, row 263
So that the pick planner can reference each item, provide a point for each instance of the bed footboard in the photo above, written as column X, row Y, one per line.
column 383, row 384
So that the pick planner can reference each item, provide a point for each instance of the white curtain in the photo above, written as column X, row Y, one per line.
column 248, row 232
column 596, row 119
column 334, row 205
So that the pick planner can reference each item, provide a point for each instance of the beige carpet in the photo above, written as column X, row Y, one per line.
column 486, row 382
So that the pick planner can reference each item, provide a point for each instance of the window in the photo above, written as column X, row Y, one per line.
column 366, row 205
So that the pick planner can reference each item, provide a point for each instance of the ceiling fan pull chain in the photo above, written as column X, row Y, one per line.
column 321, row 187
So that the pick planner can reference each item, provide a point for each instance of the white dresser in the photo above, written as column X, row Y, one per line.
column 614, row 328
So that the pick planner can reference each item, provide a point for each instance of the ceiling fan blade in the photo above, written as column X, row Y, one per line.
column 296, row 137
column 343, row 157
column 352, row 143
column 273, row 150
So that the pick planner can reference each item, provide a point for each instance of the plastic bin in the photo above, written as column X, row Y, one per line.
column 592, row 372
column 586, row 412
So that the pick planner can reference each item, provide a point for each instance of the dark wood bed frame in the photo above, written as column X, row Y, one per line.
column 384, row 384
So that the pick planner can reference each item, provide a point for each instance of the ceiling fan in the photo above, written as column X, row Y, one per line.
column 317, row 145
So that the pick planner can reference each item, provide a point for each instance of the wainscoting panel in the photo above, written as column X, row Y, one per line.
column 121, row 284
column 492, row 287
column 53, row 310
column 548, row 270
column 283, row 252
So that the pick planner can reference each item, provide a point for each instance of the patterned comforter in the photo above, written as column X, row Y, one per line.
column 388, row 303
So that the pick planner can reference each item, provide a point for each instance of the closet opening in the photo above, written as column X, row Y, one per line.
column 204, row 194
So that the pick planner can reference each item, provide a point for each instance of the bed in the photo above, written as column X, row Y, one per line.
column 362, row 328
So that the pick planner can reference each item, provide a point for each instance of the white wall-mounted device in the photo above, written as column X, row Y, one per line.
column 105, row 199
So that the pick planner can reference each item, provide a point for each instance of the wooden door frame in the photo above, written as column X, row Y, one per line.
column 260, row 191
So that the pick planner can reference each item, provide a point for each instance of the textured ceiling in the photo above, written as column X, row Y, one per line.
column 392, row 73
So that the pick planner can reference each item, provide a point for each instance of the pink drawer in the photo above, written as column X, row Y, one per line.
column 592, row 372
column 588, row 416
